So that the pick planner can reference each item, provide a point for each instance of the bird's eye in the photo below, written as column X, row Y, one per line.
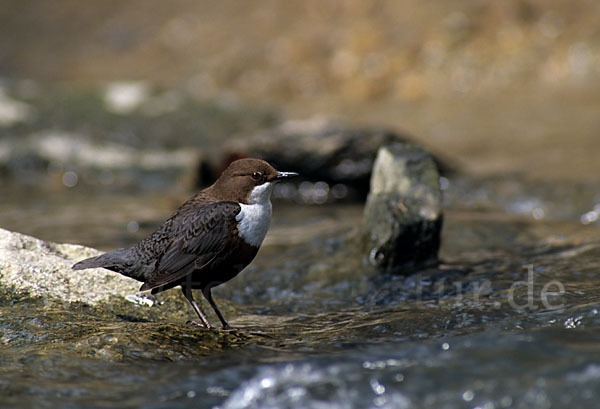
column 256, row 176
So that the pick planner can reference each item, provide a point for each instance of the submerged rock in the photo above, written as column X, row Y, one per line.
column 321, row 151
column 42, row 268
column 403, row 214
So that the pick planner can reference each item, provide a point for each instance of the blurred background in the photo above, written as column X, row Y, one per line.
column 105, row 95
column 113, row 112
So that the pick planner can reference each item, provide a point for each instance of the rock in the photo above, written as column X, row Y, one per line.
column 321, row 151
column 44, row 269
column 12, row 111
column 403, row 213
column 104, row 316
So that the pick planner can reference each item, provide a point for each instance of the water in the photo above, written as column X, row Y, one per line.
column 511, row 319
column 537, row 369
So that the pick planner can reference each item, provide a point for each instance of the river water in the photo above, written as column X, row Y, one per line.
column 510, row 319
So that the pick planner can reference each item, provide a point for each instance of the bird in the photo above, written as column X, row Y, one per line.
column 207, row 241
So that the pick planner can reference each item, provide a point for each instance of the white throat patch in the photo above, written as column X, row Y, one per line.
column 255, row 217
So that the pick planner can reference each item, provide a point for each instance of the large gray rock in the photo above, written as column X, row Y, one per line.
column 403, row 213
column 42, row 268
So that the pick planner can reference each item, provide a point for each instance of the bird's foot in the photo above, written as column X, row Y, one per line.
column 199, row 324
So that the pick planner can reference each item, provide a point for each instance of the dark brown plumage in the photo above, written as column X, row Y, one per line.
column 209, row 239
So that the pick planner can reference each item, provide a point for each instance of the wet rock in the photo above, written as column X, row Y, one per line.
column 48, row 308
column 403, row 213
column 118, row 341
column 320, row 150
column 44, row 269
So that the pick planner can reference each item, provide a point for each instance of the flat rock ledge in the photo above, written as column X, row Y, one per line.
column 43, row 268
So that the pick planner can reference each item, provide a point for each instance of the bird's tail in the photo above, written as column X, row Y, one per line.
column 112, row 260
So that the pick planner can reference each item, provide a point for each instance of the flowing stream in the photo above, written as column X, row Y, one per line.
column 510, row 318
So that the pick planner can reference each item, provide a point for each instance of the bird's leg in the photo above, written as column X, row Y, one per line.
column 187, row 292
column 208, row 296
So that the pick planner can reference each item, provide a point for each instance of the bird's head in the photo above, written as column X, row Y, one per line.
column 249, row 181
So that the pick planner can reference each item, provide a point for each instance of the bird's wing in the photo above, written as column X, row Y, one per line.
column 198, row 238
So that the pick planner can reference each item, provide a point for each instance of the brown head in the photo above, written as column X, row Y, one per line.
column 247, row 181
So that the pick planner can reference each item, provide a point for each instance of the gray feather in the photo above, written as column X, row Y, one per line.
column 118, row 260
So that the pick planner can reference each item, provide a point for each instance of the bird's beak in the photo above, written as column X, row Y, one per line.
column 285, row 175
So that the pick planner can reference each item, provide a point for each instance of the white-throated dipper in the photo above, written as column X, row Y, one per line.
column 209, row 239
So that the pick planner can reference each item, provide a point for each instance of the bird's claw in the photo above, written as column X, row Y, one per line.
column 199, row 324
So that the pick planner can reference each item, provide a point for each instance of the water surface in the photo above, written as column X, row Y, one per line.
column 510, row 319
